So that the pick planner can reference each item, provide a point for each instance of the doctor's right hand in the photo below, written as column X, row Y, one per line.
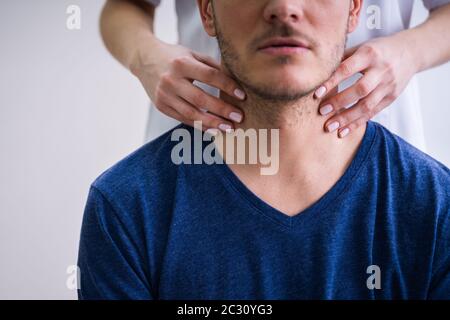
column 169, row 83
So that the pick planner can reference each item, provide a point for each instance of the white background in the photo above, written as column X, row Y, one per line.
column 68, row 111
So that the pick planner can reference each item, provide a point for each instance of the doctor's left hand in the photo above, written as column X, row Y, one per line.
column 386, row 66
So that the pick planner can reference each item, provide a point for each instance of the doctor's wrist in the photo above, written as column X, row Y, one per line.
column 409, row 42
column 148, row 55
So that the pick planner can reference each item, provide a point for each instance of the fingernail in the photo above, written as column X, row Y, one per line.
column 321, row 92
column 333, row 126
column 236, row 117
column 326, row 109
column 239, row 93
column 344, row 132
column 225, row 127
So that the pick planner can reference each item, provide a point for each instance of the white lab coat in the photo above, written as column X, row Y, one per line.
column 402, row 117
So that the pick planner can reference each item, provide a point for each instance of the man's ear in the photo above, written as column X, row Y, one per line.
column 355, row 11
column 207, row 16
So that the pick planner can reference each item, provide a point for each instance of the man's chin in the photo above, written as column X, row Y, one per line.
column 284, row 91
column 281, row 94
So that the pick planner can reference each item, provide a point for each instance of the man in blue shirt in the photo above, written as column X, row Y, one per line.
column 360, row 216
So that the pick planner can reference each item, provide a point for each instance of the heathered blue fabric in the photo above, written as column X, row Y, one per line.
column 156, row 230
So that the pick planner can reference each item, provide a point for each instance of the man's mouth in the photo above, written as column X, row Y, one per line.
column 284, row 46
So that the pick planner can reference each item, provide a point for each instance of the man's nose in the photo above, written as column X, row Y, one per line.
column 283, row 11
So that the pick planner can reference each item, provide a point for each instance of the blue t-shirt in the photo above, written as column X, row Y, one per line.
column 156, row 230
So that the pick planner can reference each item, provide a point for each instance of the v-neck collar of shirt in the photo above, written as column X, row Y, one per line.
column 316, row 208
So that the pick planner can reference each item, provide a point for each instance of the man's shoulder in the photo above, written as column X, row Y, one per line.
column 411, row 166
column 150, row 166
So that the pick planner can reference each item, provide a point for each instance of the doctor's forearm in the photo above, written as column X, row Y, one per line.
column 127, row 30
column 429, row 43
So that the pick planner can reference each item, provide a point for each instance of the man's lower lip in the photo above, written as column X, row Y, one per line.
column 284, row 50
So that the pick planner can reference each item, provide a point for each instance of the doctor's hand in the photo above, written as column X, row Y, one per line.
column 169, row 84
column 386, row 66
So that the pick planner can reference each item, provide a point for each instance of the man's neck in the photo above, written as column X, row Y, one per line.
column 310, row 159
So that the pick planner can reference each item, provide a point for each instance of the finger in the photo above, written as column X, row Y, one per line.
column 365, row 108
column 349, row 67
column 168, row 107
column 203, row 100
column 362, row 88
column 169, row 111
column 363, row 120
column 192, row 114
column 210, row 74
column 344, row 132
column 206, row 59
column 208, row 120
